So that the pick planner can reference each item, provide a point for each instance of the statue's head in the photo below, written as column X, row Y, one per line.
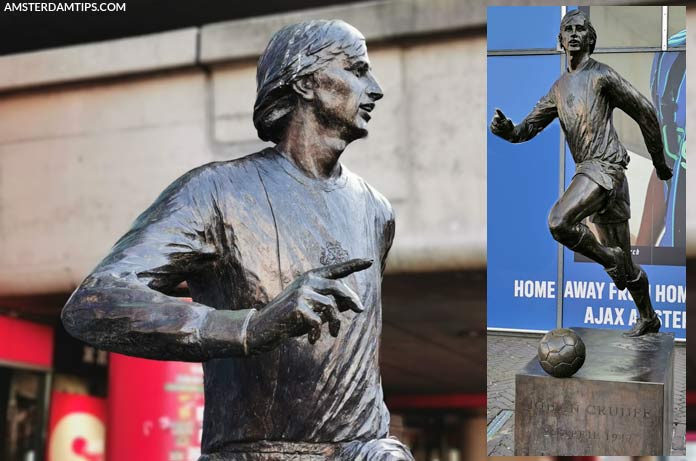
column 577, row 33
column 322, row 65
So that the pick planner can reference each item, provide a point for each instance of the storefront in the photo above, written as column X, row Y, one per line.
column 26, row 353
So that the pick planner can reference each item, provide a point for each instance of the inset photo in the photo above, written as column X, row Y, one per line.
column 586, row 231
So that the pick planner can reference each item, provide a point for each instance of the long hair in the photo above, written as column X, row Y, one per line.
column 294, row 52
column 591, row 30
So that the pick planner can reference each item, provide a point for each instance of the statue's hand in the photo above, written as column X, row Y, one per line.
column 663, row 172
column 303, row 306
column 501, row 125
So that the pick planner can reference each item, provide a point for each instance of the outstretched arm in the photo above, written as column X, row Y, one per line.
column 539, row 118
column 121, row 305
column 624, row 96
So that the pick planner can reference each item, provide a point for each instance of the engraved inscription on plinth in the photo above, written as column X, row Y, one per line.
column 619, row 403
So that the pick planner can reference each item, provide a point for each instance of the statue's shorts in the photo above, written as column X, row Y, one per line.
column 610, row 177
column 388, row 449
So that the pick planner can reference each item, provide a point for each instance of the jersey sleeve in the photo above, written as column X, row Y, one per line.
column 384, row 223
column 389, row 229
column 543, row 113
column 123, row 306
column 621, row 94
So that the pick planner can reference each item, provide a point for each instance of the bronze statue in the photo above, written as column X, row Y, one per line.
column 583, row 99
column 283, row 253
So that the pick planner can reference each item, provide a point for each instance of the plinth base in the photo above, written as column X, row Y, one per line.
column 618, row 403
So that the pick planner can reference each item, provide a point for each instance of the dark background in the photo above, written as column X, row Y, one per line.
column 26, row 31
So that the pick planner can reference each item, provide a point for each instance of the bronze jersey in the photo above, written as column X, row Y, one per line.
column 584, row 100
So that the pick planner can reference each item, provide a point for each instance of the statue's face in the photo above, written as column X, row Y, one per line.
column 575, row 35
column 345, row 94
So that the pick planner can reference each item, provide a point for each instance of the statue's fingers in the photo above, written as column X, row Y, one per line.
column 312, row 321
column 345, row 297
column 316, row 299
column 665, row 173
column 326, row 307
column 340, row 270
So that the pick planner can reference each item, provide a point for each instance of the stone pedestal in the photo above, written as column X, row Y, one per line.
column 618, row 403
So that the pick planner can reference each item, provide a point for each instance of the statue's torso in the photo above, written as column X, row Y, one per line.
column 585, row 113
column 275, row 224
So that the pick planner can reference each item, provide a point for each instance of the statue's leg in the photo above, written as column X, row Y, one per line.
column 388, row 449
column 618, row 235
column 583, row 198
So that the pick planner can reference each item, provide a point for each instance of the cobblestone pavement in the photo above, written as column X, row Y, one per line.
column 507, row 354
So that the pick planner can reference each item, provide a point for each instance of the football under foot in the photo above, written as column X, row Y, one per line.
column 643, row 327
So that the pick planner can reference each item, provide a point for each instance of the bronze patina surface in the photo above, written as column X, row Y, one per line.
column 283, row 253
column 583, row 99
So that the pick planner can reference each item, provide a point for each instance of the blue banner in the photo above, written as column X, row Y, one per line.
column 522, row 187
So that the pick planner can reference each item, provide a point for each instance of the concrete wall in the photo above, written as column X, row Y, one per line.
column 81, row 157
column 78, row 163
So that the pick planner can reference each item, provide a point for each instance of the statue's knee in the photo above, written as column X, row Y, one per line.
column 558, row 226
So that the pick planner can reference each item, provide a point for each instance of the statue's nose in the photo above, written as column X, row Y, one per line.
column 375, row 91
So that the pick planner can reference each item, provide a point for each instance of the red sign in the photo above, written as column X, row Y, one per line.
column 407, row 402
column 155, row 410
column 77, row 428
column 26, row 342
